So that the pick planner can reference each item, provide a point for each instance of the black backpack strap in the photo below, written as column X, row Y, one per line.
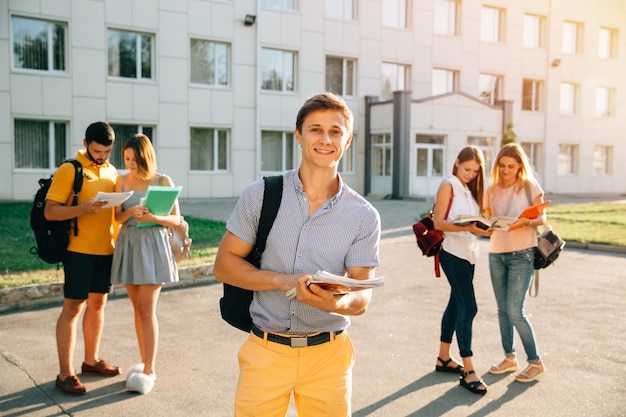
column 272, row 196
column 78, row 184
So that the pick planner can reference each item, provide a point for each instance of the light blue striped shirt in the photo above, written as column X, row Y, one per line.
column 343, row 232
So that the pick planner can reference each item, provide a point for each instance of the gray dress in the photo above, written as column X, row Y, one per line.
column 142, row 255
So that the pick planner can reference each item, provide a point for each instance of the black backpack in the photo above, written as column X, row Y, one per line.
column 52, row 237
column 235, row 304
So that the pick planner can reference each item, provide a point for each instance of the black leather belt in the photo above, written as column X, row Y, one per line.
column 295, row 341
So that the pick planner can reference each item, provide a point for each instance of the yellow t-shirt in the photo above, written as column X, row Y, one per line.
column 95, row 231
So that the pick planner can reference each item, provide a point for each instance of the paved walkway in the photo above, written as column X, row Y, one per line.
column 578, row 318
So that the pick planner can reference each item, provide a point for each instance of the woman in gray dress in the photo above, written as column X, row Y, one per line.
column 143, row 259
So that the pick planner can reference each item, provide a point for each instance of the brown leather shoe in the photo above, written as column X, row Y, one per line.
column 71, row 385
column 101, row 367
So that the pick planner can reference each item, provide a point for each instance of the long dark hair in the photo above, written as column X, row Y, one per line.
column 476, row 185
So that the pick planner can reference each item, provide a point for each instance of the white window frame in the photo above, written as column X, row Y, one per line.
column 534, row 31
column 491, row 24
column 394, row 77
column 490, row 88
column 288, row 155
column 444, row 81
column 347, row 162
column 447, row 17
column 382, row 156
column 572, row 38
column 279, row 4
column 607, row 43
column 216, row 154
column 534, row 152
column 569, row 99
column 213, row 68
column 122, row 132
column 52, row 45
column 567, row 159
column 348, row 76
column 45, row 148
column 395, row 13
column 602, row 160
column 284, row 63
column 113, row 58
column 605, row 102
column 341, row 9
column 532, row 95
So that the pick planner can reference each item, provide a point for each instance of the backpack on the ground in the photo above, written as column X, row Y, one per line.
column 52, row 237
column 235, row 304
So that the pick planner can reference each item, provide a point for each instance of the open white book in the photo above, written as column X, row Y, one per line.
column 113, row 199
column 340, row 284
column 493, row 222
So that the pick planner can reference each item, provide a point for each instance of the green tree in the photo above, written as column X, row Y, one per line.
column 509, row 135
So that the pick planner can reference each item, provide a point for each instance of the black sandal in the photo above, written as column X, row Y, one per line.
column 445, row 368
column 474, row 385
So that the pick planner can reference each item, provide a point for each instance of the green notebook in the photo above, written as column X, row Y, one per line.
column 160, row 200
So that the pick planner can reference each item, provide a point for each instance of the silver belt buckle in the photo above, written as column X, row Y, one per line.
column 298, row 342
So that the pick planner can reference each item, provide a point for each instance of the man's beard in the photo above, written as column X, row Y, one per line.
column 97, row 162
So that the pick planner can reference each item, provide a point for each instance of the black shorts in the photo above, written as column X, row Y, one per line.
column 85, row 274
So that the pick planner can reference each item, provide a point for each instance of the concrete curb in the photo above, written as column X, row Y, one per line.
column 39, row 295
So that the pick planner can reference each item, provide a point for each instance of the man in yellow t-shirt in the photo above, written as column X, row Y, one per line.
column 87, row 263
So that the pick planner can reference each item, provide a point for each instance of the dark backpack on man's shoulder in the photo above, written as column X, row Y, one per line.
column 235, row 304
column 52, row 237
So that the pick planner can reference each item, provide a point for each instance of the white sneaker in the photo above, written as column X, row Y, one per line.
column 138, row 367
column 140, row 382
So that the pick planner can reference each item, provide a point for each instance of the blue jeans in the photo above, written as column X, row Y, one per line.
column 461, row 308
column 511, row 276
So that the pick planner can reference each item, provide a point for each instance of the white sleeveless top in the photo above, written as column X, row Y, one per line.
column 463, row 245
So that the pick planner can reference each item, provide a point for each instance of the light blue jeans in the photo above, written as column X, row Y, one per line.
column 511, row 275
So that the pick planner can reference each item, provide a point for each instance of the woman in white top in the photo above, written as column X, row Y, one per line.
column 463, row 193
column 512, row 188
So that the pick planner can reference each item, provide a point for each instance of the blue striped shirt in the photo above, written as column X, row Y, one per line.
column 343, row 232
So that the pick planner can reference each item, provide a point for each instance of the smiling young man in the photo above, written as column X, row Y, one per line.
column 322, row 224
column 87, row 263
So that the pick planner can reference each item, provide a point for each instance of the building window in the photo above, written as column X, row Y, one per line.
column 122, row 133
column 340, row 75
column 605, row 102
column 209, row 62
column 489, row 88
column 395, row 77
column 38, row 44
column 534, row 152
column 341, row 9
column 278, row 70
column 444, row 81
column 602, row 160
column 447, row 13
column 491, row 24
column 395, row 13
column 277, row 151
column 567, row 159
column 130, row 54
column 209, row 149
column 534, row 31
column 532, row 91
column 572, row 38
column 569, row 98
column 40, row 144
column 486, row 145
column 381, row 155
column 279, row 4
column 429, row 155
column 607, row 43
column 346, row 163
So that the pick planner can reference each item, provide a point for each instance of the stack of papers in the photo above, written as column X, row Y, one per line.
column 113, row 199
column 340, row 284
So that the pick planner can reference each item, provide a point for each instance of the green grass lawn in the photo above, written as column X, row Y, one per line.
column 603, row 223
column 19, row 267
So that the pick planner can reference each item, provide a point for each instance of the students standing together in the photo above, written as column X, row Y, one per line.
column 322, row 224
